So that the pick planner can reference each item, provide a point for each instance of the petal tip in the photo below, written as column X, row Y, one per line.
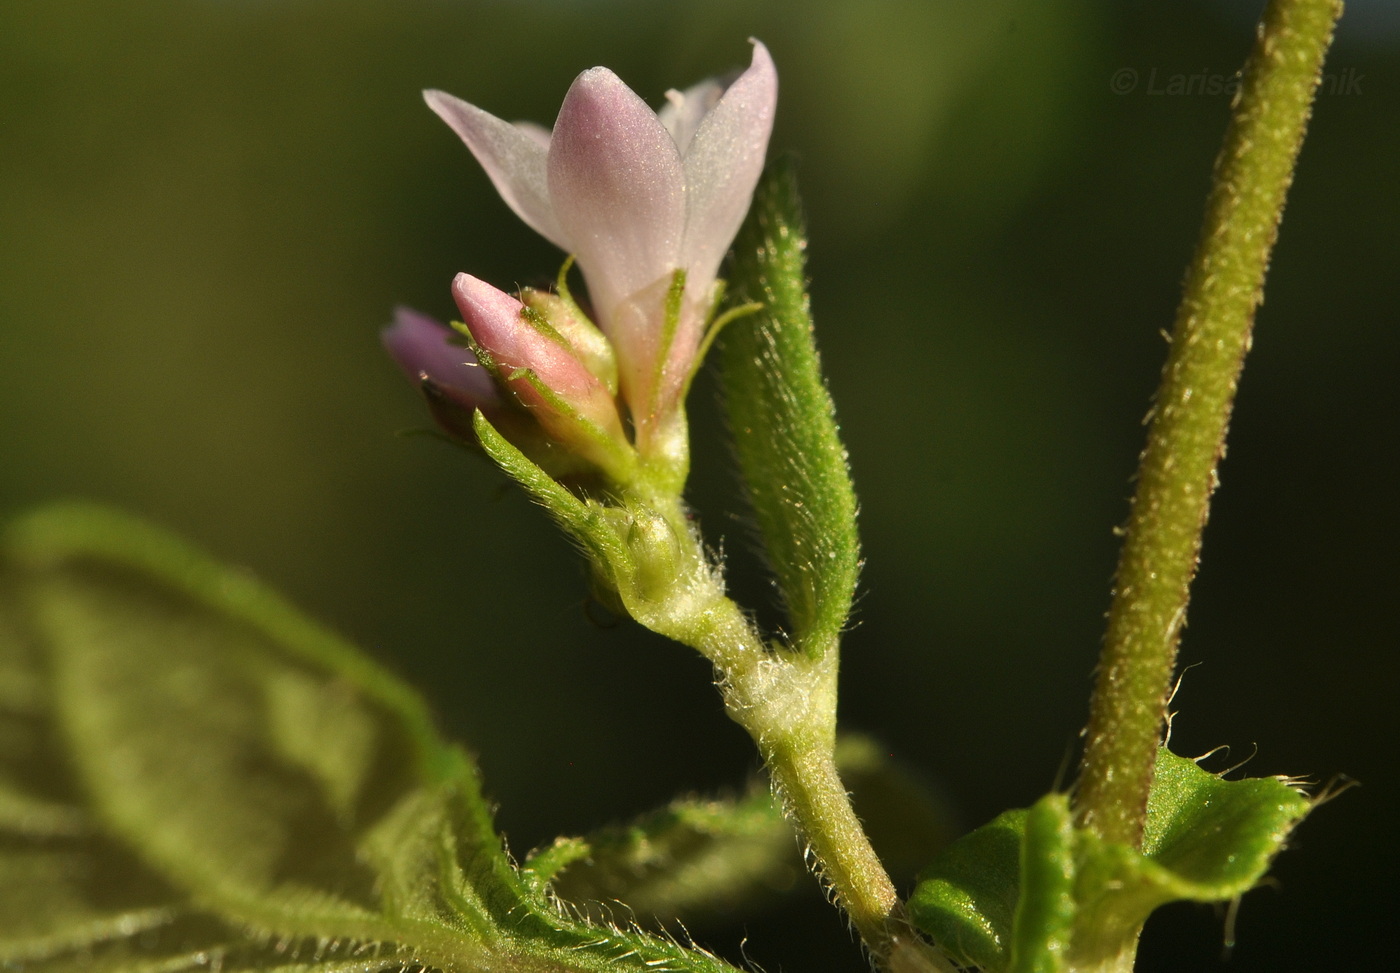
column 475, row 295
column 442, row 103
column 597, row 87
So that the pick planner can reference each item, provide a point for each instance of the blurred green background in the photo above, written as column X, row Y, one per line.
column 210, row 206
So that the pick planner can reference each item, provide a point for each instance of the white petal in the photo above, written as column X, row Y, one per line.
column 723, row 163
column 514, row 156
column 684, row 109
column 618, row 189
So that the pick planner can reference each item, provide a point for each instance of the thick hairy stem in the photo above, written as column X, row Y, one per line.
column 1162, row 539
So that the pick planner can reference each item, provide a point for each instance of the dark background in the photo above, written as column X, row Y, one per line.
column 208, row 208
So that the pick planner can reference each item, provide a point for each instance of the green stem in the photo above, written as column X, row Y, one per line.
column 786, row 701
column 1186, row 440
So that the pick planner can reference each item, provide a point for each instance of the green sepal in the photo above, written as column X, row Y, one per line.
column 1029, row 893
column 194, row 775
column 584, row 521
column 569, row 428
column 783, row 422
column 713, row 330
column 612, row 454
column 641, row 551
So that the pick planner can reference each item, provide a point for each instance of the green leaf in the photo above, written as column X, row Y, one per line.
column 193, row 775
column 1206, row 840
column 1045, row 906
column 1028, row 893
column 783, row 423
column 693, row 861
column 699, row 860
column 966, row 899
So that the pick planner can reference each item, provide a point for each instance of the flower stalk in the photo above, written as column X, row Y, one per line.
column 786, row 700
column 1191, row 412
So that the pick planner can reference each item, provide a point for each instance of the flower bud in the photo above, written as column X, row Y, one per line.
column 456, row 385
column 428, row 351
column 589, row 344
column 437, row 359
column 538, row 366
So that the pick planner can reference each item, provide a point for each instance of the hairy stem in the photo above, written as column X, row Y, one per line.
column 1186, row 440
column 786, row 700
column 787, row 703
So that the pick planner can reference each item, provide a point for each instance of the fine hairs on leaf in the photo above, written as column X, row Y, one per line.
column 194, row 774
column 783, row 424
column 1029, row 890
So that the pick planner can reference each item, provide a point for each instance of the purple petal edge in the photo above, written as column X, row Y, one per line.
column 423, row 349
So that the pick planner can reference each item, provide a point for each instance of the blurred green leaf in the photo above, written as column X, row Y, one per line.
column 693, row 860
column 907, row 819
column 702, row 860
column 1028, row 893
column 193, row 774
column 784, row 424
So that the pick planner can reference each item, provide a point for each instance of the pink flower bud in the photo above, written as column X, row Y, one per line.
column 536, row 364
column 456, row 385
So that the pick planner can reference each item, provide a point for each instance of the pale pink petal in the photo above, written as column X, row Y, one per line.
column 637, row 325
column 723, row 163
column 618, row 189
column 684, row 109
column 512, row 155
column 536, row 131
column 652, row 387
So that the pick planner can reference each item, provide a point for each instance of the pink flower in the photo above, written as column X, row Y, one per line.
column 644, row 200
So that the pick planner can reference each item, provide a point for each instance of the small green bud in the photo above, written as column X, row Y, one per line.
column 658, row 561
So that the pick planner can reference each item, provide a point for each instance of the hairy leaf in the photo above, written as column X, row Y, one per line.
column 693, row 861
column 1028, row 893
column 699, row 860
column 193, row 775
column 783, row 423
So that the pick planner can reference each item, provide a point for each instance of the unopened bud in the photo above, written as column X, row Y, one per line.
column 589, row 345
column 540, row 369
column 658, row 562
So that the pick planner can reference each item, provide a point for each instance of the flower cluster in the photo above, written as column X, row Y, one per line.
column 647, row 203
